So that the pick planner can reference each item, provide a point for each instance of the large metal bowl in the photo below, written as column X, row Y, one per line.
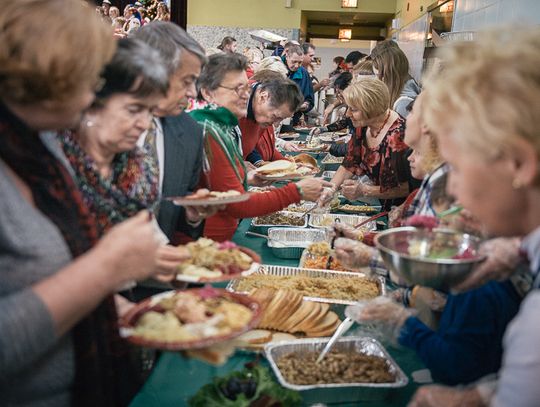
column 409, row 253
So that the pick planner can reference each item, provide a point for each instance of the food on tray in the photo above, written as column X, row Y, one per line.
column 300, row 207
column 357, row 208
column 301, row 368
column 188, row 316
column 285, row 310
column 342, row 288
column 281, row 219
column 211, row 259
column 284, row 168
column 323, row 221
column 306, row 160
column 330, row 159
column 288, row 134
column 319, row 249
column 313, row 144
column 322, row 263
column 214, row 194
column 252, row 386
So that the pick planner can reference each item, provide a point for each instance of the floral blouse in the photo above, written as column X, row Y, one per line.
column 386, row 165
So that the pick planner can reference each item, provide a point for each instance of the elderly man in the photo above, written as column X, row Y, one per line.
column 270, row 103
column 176, row 139
column 293, row 60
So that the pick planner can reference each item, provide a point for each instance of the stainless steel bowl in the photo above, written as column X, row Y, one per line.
column 424, row 257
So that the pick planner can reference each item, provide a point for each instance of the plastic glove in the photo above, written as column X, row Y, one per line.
column 347, row 231
column 352, row 189
column 389, row 315
column 442, row 396
column 326, row 196
column 503, row 256
column 352, row 253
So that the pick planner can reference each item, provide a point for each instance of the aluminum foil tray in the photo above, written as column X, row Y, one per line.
column 289, row 243
column 291, row 271
column 322, row 393
column 331, row 163
column 351, row 220
column 262, row 228
column 301, row 207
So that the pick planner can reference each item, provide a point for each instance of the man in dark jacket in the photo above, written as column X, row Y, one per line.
column 298, row 74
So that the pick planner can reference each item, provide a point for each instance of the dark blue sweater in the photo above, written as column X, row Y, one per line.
column 468, row 344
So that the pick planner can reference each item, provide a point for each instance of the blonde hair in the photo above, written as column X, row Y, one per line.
column 392, row 66
column 369, row 95
column 489, row 92
column 363, row 67
column 79, row 45
column 252, row 53
column 273, row 64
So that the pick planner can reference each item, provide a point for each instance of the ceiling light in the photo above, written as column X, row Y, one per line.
column 345, row 34
column 349, row 3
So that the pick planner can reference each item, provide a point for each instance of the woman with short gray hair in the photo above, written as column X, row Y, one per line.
column 118, row 179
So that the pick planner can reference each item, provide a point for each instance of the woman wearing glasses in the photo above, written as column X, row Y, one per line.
column 224, row 84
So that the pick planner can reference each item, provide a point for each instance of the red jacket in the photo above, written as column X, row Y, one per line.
column 222, row 177
column 254, row 136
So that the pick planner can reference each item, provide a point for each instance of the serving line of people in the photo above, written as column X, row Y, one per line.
column 77, row 189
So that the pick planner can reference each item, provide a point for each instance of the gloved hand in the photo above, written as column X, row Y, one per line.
column 326, row 196
column 352, row 189
column 352, row 253
column 442, row 396
column 389, row 315
column 502, row 258
column 347, row 231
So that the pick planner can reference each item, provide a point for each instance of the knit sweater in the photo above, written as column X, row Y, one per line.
column 224, row 175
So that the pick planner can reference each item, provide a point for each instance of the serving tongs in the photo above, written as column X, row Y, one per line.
column 371, row 218
column 340, row 331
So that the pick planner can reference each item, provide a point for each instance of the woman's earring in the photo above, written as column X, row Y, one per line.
column 89, row 123
column 517, row 184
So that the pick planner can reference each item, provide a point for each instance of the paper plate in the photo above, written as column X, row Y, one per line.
column 186, row 201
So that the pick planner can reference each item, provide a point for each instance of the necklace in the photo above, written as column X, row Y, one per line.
column 376, row 134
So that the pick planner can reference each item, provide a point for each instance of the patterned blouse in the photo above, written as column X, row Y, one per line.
column 386, row 165
column 132, row 186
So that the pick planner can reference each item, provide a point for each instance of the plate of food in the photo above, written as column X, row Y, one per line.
column 320, row 256
column 210, row 198
column 189, row 319
column 282, row 218
column 314, row 145
column 214, row 262
column 284, row 170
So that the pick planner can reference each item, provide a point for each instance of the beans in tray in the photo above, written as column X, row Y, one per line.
column 280, row 219
column 301, row 368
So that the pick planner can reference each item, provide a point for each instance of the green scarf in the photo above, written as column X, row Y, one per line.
column 218, row 123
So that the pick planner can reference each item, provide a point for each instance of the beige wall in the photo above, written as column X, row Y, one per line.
column 270, row 13
column 414, row 10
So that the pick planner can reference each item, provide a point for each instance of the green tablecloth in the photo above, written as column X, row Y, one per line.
column 175, row 378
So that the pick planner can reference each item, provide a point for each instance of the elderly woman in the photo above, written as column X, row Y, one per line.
column 116, row 178
column 376, row 149
column 495, row 175
column 58, row 341
column 224, row 84
column 391, row 66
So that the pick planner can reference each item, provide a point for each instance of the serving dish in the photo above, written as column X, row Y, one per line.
column 289, row 135
column 410, row 253
column 214, row 198
column 288, row 243
column 283, row 271
column 344, row 392
column 258, row 225
column 241, row 317
column 327, row 220
column 331, row 163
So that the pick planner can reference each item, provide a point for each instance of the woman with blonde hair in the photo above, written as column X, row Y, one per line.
column 376, row 149
column 490, row 88
column 254, row 57
column 391, row 66
column 272, row 64
column 59, row 341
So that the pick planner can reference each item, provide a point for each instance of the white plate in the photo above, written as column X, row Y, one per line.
column 183, row 201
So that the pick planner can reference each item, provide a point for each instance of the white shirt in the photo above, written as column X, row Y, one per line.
column 160, row 146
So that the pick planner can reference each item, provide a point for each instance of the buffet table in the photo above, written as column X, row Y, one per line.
column 175, row 379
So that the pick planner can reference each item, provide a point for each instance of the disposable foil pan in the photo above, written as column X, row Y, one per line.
column 288, row 243
column 263, row 228
column 351, row 220
column 292, row 271
column 300, row 207
column 328, row 174
column 348, row 392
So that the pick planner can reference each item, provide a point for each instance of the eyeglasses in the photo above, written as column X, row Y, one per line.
column 240, row 89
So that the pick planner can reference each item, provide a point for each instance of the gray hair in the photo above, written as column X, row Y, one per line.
column 282, row 91
column 170, row 40
column 136, row 69
column 218, row 66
